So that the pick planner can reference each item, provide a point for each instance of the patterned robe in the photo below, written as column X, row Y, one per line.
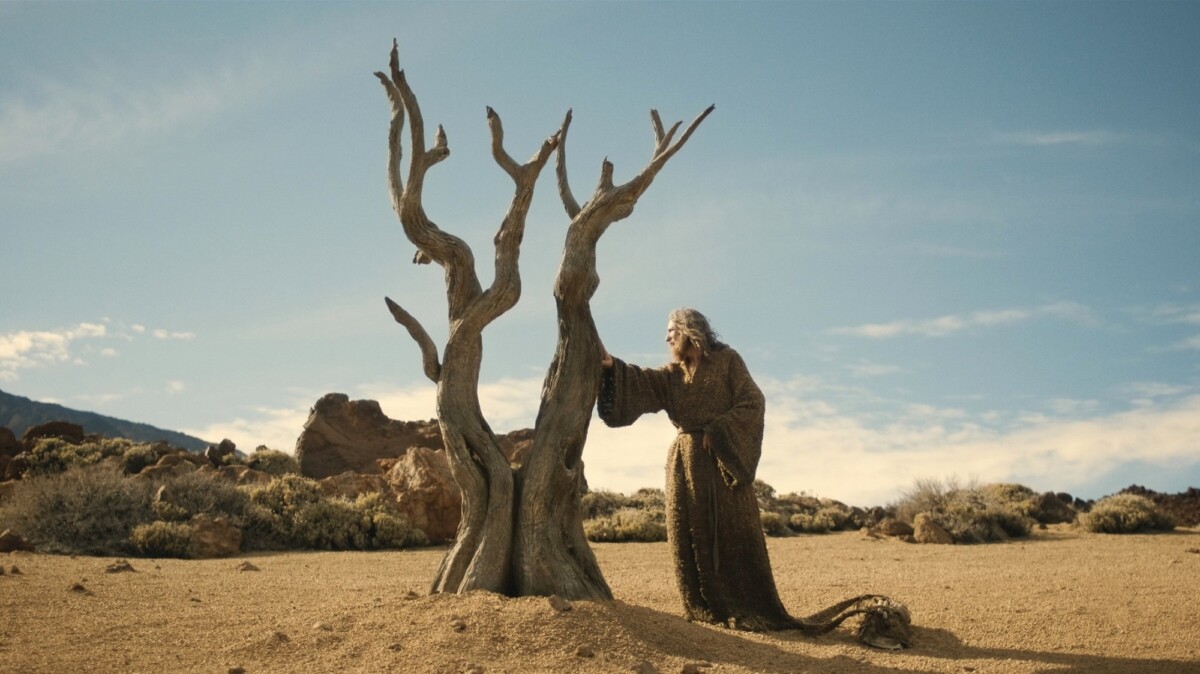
column 713, row 526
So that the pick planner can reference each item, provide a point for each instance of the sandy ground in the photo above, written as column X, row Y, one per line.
column 1062, row 601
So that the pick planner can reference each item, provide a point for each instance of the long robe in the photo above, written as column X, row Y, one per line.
column 713, row 526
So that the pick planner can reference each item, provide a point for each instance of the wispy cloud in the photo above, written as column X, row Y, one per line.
column 26, row 349
column 869, row 369
column 955, row 323
column 1089, row 138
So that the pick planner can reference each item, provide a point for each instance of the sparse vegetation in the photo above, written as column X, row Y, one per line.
column 971, row 514
column 273, row 462
column 1126, row 514
column 627, row 524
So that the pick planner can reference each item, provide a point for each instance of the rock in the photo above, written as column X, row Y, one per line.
column 644, row 667
column 341, row 435
column 9, row 445
column 323, row 627
column 893, row 527
column 411, row 595
column 236, row 670
column 925, row 530
column 13, row 570
column 214, row 537
column 517, row 445
column 278, row 637
column 243, row 475
column 1052, row 508
column 120, row 566
column 559, row 604
column 216, row 453
column 351, row 485
column 72, row 433
column 458, row 625
column 78, row 588
column 11, row 540
column 585, row 652
column 247, row 566
column 16, row 466
column 426, row 493
column 695, row 667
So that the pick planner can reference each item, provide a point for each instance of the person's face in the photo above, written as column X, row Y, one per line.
column 676, row 342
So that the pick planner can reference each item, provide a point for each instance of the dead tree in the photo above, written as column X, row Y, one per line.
column 521, row 532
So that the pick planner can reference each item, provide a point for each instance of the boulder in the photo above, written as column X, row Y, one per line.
column 10, row 541
column 925, row 530
column 216, row 453
column 15, row 467
column 893, row 527
column 1052, row 508
column 239, row 474
column 351, row 485
column 9, row 445
column 214, row 537
column 426, row 492
column 517, row 445
column 72, row 433
column 343, row 434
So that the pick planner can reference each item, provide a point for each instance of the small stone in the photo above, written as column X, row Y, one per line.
column 411, row 595
column 644, row 667
column 237, row 670
column 585, row 652
column 559, row 604
column 458, row 625
column 120, row 566
column 325, row 627
column 695, row 667
column 194, row 599
column 473, row 669
column 395, row 646
column 1194, row 551
column 79, row 588
column 247, row 566
column 14, row 570
column 278, row 637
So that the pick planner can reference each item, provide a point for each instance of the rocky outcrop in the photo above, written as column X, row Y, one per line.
column 214, row 537
column 925, row 530
column 351, row 485
column 72, row 433
column 217, row 454
column 426, row 492
column 343, row 434
column 9, row 445
column 10, row 541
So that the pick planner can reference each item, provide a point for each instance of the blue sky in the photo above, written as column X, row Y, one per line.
column 950, row 239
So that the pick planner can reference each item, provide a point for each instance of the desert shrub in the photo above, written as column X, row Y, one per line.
column 602, row 503
column 822, row 521
column 971, row 514
column 162, row 539
column 136, row 457
column 649, row 499
column 1125, row 514
column 86, row 509
column 273, row 461
column 193, row 493
column 626, row 524
column 291, row 512
column 773, row 523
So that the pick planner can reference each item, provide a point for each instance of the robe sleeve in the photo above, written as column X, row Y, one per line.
column 736, row 436
column 628, row 391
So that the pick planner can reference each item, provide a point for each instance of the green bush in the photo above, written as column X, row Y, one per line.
column 137, row 457
column 1126, row 514
column 291, row 512
column 773, row 523
column 188, row 494
column 820, row 522
column 971, row 514
column 162, row 539
column 626, row 524
column 273, row 461
column 602, row 503
column 86, row 509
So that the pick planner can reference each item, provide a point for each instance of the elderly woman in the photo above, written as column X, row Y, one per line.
column 713, row 526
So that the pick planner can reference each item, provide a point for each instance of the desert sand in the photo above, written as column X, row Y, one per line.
column 1060, row 601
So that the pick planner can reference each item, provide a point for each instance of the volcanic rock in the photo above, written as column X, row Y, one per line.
column 426, row 492
column 214, row 537
column 925, row 530
column 9, row 445
column 10, row 541
column 351, row 485
column 343, row 434
column 216, row 453
column 893, row 527
column 72, row 433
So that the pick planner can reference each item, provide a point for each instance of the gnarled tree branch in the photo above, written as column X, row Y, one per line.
column 429, row 352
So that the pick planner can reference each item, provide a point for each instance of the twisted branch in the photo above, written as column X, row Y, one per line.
column 429, row 352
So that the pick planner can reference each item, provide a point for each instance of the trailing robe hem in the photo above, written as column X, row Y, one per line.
column 713, row 526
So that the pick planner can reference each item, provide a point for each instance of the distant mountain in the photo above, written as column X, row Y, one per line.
column 18, row 414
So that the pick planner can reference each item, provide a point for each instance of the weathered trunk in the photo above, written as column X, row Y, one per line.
column 519, row 534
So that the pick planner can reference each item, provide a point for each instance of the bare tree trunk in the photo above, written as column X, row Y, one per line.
column 519, row 534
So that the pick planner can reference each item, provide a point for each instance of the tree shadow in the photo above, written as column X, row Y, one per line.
column 941, row 643
column 674, row 636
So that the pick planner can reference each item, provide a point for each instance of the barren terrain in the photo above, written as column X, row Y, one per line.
column 1061, row 601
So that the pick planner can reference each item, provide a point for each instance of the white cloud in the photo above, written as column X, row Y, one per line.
column 27, row 349
column 811, row 445
column 869, row 369
column 175, row 387
column 1190, row 344
column 951, row 324
column 166, row 334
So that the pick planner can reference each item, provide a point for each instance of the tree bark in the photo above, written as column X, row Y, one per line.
column 520, row 534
